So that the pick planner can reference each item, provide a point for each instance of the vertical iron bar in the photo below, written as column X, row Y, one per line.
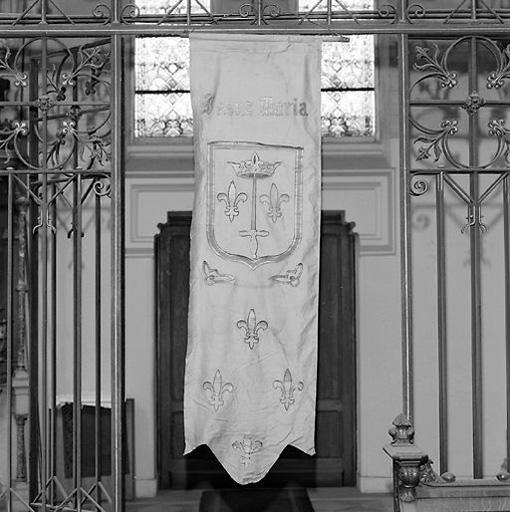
column 441, row 325
column 506, row 240
column 44, row 11
column 22, row 203
column 117, row 272
column 10, row 337
column 403, row 11
column 97, row 420
column 77, row 319
column 33, row 242
column 53, row 349
column 116, row 7
column 43, row 236
column 475, row 250
column 405, row 232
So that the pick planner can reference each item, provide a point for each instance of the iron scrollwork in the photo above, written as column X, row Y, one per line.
column 73, row 110
column 436, row 140
column 9, row 65
column 498, row 129
column 418, row 185
column 104, row 12
column 129, row 13
column 434, row 144
column 196, row 14
column 496, row 79
column 415, row 12
column 260, row 11
column 435, row 66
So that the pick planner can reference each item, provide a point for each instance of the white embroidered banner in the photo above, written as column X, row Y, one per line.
column 251, row 364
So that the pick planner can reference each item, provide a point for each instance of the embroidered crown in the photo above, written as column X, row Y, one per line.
column 254, row 167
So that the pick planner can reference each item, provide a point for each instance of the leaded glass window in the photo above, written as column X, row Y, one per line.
column 162, row 89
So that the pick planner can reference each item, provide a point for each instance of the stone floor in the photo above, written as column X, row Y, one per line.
column 323, row 500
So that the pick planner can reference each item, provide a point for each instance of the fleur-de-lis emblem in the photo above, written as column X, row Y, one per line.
column 251, row 328
column 287, row 389
column 216, row 389
column 247, row 447
column 273, row 202
column 231, row 200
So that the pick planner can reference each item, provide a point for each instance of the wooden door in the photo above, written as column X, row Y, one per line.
column 335, row 462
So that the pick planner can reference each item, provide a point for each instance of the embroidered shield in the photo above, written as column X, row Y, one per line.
column 254, row 201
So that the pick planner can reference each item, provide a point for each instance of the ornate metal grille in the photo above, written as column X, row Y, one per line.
column 457, row 111
column 56, row 151
column 61, row 144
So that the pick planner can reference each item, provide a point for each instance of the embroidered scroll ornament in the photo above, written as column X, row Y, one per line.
column 251, row 328
column 216, row 389
column 292, row 276
column 213, row 276
column 287, row 389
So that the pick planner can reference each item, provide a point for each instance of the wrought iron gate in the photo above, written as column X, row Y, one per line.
column 61, row 149
column 61, row 161
column 458, row 145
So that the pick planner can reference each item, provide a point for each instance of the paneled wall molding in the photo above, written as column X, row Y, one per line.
column 183, row 148
column 147, row 201
column 368, row 196
column 175, row 158
column 372, row 484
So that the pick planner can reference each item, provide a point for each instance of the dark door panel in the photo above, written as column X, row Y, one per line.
column 335, row 462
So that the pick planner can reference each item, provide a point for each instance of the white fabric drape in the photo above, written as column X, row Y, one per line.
column 251, row 364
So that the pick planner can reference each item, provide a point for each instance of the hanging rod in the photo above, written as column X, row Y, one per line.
column 337, row 29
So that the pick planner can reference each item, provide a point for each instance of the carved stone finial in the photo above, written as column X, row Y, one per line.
column 410, row 463
column 503, row 476
column 409, row 478
column 402, row 431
